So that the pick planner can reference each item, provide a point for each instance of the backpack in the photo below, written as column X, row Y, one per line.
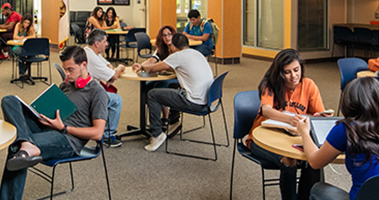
column 214, row 27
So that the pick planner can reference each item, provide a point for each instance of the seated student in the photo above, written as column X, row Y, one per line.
column 39, row 140
column 357, row 135
column 96, row 20
column 195, row 77
column 101, row 69
column 284, row 88
column 163, row 43
column 193, row 31
column 373, row 64
column 13, row 18
column 23, row 30
column 111, row 19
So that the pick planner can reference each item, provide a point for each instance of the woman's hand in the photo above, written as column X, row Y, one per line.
column 136, row 67
column 295, row 119
column 303, row 126
column 56, row 123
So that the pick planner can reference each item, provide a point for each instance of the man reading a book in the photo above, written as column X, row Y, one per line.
column 44, row 138
column 101, row 69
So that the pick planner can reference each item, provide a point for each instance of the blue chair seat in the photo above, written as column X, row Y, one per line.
column 86, row 154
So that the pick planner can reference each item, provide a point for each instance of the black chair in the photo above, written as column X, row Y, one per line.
column 143, row 43
column 375, row 44
column 214, row 95
column 36, row 50
column 364, row 39
column 130, row 39
column 78, row 34
column 343, row 36
column 60, row 70
column 369, row 189
column 86, row 153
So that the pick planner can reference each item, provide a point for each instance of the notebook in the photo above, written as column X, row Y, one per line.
column 320, row 128
column 49, row 101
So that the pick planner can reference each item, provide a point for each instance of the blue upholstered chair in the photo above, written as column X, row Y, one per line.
column 369, row 189
column 143, row 44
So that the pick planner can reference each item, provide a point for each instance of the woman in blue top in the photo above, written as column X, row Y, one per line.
column 22, row 31
column 357, row 135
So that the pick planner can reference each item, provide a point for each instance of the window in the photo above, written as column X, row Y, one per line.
column 182, row 9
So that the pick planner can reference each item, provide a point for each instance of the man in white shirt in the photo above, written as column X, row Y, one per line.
column 195, row 77
column 101, row 69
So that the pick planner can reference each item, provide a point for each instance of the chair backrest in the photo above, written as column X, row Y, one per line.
column 82, row 16
column 60, row 70
column 215, row 90
column 246, row 107
column 348, row 69
column 363, row 35
column 72, row 16
column 78, row 34
column 342, row 34
column 35, row 47
column 143, row 42
column 375, row 35
column 369, row 189
column 131, row 37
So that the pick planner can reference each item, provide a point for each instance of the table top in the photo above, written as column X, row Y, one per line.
column 15, row 42
column 280, row 143
column 2, row 30
column 365, row 73
column 131, row 75
column 191, row 42
column 113, row 32
column 8, row 134
column 353, row 25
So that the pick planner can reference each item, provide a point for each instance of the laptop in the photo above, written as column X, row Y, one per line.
column 320, row 128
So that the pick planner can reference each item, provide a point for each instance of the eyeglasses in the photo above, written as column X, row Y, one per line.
column 168, row 35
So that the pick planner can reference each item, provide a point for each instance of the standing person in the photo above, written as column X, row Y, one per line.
column 23, row 30
column 195, row 77
column 46, row 139
column 357, row 135
column 12, row 19
column 101, row 69
column 96, row 20
column 111, row 20
column 163, row 43
column 193, row 32
column 284, row 88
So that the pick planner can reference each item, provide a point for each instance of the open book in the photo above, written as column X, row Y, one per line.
column 49, row 101
column 288, row 128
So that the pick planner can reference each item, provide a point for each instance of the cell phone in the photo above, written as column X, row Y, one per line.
column 327, row 112
column 298, row 147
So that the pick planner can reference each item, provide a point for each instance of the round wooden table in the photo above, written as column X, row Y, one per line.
column 8, row 134
column 190, row 42
column 365, row 73
column 280, row 143
column 129, row 74
column 119, row 33
column 15, row 42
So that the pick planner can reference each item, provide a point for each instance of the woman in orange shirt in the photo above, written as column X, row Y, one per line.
column 284, row 88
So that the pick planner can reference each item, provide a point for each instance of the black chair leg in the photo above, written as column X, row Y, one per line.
column 232, row 171
column 106, row 172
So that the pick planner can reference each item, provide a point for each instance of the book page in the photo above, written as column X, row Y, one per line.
column 30, row 108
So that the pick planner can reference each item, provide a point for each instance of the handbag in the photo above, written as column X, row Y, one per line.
column 109, row 88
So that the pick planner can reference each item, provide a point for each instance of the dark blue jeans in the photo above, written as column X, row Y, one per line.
column 287, row 178
column 52, row 144
column 204, row 49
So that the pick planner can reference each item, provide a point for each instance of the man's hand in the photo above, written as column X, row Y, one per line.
column 56, row 123
column 121, row 67
column 136, row 67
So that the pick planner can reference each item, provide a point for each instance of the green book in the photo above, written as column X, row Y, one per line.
column 51, row 100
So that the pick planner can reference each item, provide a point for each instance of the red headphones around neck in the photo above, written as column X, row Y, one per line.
column 81, row 82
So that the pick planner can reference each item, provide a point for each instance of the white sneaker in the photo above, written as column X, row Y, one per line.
column 156, row 142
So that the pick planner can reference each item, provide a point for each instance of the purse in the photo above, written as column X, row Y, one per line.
column 110, row 88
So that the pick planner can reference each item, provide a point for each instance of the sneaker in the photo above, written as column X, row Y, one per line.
column 6, row 55
column 173, row 129
column 156, row 142
column 2, row 57
column 113, row 143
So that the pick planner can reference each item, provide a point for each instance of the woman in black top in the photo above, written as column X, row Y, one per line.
column 111, row 20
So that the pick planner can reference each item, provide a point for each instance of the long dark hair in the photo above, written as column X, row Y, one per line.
column 114, row 14
column 274, row 79
column 163, row 49
column 94, row 14
column 30, row 29
column 360, row 108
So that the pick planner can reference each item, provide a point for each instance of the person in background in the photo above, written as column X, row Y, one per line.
column 193, row 32
column 111, row 20
column 45, row 139
column 101, row 69
column 284, row 88
column 12, row 19
column 373, row 64
column 357, row 135
column 96, row 20
column 195, row 77
column 163, row 43
column 22, row 31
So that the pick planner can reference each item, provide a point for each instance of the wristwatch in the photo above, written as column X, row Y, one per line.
column 64, row 129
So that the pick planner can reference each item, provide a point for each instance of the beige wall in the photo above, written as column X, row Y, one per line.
column 363, row 11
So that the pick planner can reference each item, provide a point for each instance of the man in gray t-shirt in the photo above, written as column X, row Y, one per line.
column 45, row 139
column 195, row 77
